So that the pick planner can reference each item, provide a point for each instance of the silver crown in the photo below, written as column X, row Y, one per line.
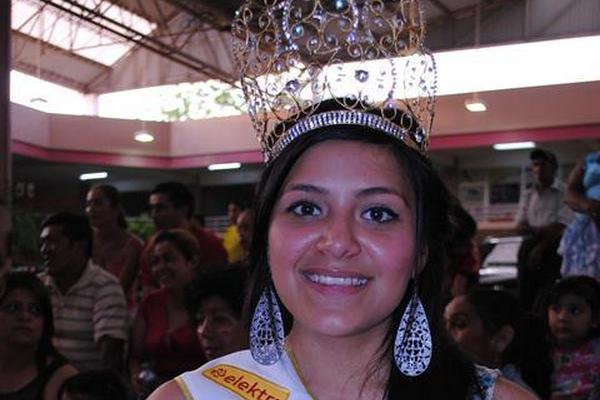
column 365, row 54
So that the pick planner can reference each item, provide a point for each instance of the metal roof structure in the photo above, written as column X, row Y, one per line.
column 99, row 46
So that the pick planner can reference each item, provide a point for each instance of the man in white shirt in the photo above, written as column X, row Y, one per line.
column 541, row 220
column 88, row 304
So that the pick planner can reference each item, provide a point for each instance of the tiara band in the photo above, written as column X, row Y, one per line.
column 342, row 117
column 366, row 55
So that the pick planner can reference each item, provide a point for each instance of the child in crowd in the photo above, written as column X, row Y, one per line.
column 573, row 314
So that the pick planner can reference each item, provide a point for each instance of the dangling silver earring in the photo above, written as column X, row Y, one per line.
column 266, row 330
column 412, row 347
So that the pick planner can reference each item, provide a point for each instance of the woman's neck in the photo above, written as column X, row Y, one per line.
column 107, row 233
column 364, row 373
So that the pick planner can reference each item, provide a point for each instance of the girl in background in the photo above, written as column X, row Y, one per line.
column 573, row 314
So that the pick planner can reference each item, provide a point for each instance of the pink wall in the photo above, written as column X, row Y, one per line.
column 541, row 114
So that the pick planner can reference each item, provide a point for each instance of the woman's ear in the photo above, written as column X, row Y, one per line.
column 503, row 338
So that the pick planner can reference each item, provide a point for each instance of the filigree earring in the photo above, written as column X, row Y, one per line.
column 413, row 347
column 266, row 330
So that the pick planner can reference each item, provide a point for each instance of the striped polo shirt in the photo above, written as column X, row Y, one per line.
column 91, row 309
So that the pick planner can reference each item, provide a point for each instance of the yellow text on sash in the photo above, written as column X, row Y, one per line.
column 245, row 384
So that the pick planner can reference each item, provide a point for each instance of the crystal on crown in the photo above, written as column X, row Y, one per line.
column 366, row 54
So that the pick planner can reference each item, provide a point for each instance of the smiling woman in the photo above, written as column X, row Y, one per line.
column 348, row 246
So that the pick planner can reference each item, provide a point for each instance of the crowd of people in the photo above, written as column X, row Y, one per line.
column 353, row 276
column 144, row 314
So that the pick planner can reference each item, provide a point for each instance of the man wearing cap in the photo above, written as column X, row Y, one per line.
column 541, row 220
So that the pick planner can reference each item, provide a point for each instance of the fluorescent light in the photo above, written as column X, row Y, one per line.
column 219, row 167
column 514, row 146
column 93, row 175
column 144, row 137
column 475, row 105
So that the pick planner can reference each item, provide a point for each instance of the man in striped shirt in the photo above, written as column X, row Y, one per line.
column 90, row 315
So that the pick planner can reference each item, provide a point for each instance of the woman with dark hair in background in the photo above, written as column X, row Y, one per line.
column 163, row 339
column 30, row 366
column 215, row 300
column 115, row 249
column 491, row 327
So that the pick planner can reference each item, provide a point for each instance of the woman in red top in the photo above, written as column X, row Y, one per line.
column 115, row 249
column 164, row 338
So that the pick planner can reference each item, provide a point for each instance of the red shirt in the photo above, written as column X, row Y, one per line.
column 174, row 352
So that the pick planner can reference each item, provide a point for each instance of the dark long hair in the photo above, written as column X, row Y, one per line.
column 114, row 199
column 29, row 282
column 450, row 374
column 529, row 350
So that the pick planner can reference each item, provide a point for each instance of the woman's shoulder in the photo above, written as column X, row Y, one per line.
column 234, row 376
column 58, row 376
column 507, row 390
column 206, row 382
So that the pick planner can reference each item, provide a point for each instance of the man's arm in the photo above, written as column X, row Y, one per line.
column 110, row 323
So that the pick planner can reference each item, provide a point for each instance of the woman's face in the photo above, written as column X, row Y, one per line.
column 170, row 267
column 466, row 328
column 220, row 330
column 21, row 319
column 341, row 239
column 98, row 208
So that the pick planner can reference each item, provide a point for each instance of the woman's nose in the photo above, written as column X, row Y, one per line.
column 339, row 237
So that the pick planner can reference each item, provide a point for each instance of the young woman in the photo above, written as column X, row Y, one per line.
column 350, row 224
column 115, row 249
column 351, row 220
column 163, row 339
column 493, row 330
column 30, row 366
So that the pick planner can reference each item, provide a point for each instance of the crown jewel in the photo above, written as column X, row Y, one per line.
column 365, row 54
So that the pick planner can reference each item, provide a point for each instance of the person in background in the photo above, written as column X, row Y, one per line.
column 493, row 330
column 580, row 244
column 115, row 249
column 541, row 219
column 30, row 366
column 464, row 258
column 90, row 312
column 94, row 385
column 171, row 207
column 573, row 316
column 231, row 237
column 199, row 220
column 5, row 244
column 244, row 226
column 215, row 301
column 163, row 338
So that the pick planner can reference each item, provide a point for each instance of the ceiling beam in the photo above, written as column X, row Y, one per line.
column 148, row 42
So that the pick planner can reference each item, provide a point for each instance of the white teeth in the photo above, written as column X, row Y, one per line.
column 336, row 281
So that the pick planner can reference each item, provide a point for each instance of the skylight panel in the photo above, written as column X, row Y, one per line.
column 78, row 36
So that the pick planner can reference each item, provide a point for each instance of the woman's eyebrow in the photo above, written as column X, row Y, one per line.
column 304, row 187
column 382, row 190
